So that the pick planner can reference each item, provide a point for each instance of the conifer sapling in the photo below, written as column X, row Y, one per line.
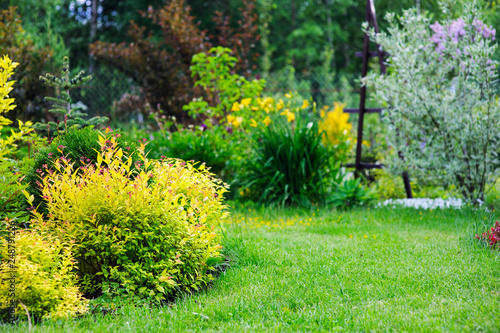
column 62, row 108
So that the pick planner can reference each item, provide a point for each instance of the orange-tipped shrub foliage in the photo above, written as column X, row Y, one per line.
column 152, row 232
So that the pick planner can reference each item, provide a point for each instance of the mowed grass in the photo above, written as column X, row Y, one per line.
column 378, row 270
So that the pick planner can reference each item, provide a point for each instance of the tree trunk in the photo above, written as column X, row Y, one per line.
column 93, row 31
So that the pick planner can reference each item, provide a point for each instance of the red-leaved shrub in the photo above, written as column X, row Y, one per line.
column 491, row 236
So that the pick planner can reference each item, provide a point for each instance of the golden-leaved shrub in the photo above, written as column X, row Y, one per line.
column 150, row 230
column 44, row 277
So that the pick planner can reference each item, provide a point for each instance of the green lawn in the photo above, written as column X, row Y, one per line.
column 372, row 270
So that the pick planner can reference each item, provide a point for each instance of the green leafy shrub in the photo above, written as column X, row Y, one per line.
column 45, row 279
column 387, row 185
column 289, row 164
column 214, row 75
column 151, row 232
column 440, row 91
column 212, row 146
column 12, row 202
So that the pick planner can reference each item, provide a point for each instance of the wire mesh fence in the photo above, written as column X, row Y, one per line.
column 98, row 95
column 109, row 86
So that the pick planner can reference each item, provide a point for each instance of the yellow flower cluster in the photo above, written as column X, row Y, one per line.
column 6, row 104
column 235, row 121
column 290, row 116
column 335, row 124
column 257, row 110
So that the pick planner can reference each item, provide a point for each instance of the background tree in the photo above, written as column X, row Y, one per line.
column 42, row 24
column 301, row 38
column 33, row 61
column 160, row 64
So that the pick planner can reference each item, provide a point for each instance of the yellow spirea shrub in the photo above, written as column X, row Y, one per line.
column 152, row 229
column 7, row 67
column 45, row 277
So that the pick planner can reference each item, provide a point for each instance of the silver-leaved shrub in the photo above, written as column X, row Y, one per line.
column 440, row 98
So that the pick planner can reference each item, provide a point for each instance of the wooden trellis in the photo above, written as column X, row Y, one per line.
column 372, row 21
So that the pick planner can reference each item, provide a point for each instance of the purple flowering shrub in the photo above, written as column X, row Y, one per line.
column 454, row 39
column 440, row 99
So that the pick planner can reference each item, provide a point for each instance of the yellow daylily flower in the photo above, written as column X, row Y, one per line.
column 236, row 107
column 305, row 104
column 253, row 123
column 230, row 119
column 290, row 117
column 280, row 105
column 237, row 122
column 246, row 101
column 284, row 113
column 267, row 121
column 289, row 95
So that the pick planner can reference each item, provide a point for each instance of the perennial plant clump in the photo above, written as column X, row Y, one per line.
column 258, row 112
column 492, row 236
column 440, row 98
column 336, row 130
column 288, row 164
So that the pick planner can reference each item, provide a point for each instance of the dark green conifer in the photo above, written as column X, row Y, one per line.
column 68, row 116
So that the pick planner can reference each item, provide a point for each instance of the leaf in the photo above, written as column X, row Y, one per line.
column 201, row 315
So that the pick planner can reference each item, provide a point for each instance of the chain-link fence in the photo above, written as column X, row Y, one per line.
column 109, row 86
